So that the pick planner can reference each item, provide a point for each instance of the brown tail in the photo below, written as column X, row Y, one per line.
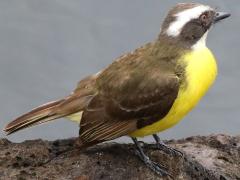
column 47, row 112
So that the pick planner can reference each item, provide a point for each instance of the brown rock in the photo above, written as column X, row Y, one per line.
column 211, row 157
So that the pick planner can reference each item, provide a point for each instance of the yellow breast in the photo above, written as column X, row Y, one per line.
column 200, row 71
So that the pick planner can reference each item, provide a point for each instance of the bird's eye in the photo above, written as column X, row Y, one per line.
column 203, row 17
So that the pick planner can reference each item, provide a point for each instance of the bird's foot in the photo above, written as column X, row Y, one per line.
column 154, row 166
column 169, row 150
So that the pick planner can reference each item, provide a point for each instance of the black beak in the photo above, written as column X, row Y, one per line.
column 220, row 16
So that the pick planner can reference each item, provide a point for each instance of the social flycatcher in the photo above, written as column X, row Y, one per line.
column 145, row 91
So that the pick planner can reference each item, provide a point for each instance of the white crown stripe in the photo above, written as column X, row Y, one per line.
column 183, row 18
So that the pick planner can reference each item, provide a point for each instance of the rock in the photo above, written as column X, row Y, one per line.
column 211, row 157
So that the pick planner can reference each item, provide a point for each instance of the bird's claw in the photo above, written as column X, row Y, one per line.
column 154, row 166
column 169, row 150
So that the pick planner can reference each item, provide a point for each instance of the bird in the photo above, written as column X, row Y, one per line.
column 145, row 91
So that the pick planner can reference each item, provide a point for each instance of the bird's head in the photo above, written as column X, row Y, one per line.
column 188, row 24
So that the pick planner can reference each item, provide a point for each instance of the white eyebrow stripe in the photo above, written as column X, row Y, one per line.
column 184, row 17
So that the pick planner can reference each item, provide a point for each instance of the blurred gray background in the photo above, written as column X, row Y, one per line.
column 47, row 46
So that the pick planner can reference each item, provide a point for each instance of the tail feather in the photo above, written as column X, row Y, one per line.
column 39, row 115
column 48, row 112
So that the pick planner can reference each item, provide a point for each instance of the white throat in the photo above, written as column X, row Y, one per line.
column 201, row 43
column 183, row 18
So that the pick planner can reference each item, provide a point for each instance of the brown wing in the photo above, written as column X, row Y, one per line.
column 128, row 101
column 135, row 91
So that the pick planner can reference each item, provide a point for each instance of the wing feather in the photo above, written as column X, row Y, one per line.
column 133, row 92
